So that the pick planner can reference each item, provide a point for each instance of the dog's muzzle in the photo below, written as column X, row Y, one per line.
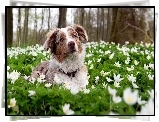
column 71, row 46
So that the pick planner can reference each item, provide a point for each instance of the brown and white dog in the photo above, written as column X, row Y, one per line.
column 67, row 63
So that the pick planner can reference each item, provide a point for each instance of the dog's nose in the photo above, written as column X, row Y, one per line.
column 71, row 46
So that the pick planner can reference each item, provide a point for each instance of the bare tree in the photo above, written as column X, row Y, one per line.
column 114, row 25
column 103, row 19
column 9, row 27
column 108, row 25
column 49, row 19
column 35, row 24
column 62, row 17
column 25, row 29
column 19, row 27
column 97, row 23
column 81, row 16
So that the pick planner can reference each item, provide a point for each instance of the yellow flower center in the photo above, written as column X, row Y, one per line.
column 129, row 99
column 12, row 104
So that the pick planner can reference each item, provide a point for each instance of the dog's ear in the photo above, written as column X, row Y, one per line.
column 81, row 32
column 50, row 41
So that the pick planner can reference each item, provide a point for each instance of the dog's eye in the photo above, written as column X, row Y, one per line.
column 61, row 40
column 74, row 36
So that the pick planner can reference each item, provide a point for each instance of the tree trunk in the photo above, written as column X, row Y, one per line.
column 89, row 23
column 82, row 17
column 114, row 26
column 97, row 24
column 62, row 17
column 9, row 27
column 35, row 26
column 49, row 20
column 108, row 25
column 19, row 26
column 42, row 22
column 103, row 32
column 25, row 29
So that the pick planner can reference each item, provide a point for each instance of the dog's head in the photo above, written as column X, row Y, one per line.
column 65, row 41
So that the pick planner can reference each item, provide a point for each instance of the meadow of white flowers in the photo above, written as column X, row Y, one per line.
column 121, row 82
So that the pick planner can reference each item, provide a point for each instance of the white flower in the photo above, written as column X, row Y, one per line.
column 57, row 80
column 106, row 73
column 31, row 93
column 26, row 77
column 41, row 61
column 87, row 78
column 12, row 103
column 142, row 52
column 108, row 79
column 134, row 49
column 111, row 56
column 8, row 68
column 140, row 102
column 147, row 44
column 117, row 99
column 148, row 109
column 136, row 62
column 127, row 42
column 88, row 55
column 130, row 97
column 86, row 91
column 40, row 80
column 151, row 93
column 117, row 64
column 96, row 79
column 32, row 80
column 131, row 78
column 91, row 67
column 151, row 66
column 150, row 77
column 126, row 62
column 99, row 60
column 14, row 76
column 148, row 57
column 102, row 72
column 104, row 85
column 107, row 52
column 34, row 53
column 132, row 67
column 129, row 69
column 74, row 90
column 67, row 110
column 146, row 67
column 92, row 87
column 89, row 62
column 48, row 84
column 126, row 53
column 42, row 76
column 134, row 85
column 44, row 53
column 111, row 91
column 117, row 78
column 116, row 84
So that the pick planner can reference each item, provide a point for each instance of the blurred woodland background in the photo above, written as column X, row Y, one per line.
column 28, row 26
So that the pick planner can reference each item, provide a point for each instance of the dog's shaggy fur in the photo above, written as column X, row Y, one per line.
column 67, row 62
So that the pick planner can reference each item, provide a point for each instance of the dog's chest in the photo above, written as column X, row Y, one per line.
column 79, row 81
